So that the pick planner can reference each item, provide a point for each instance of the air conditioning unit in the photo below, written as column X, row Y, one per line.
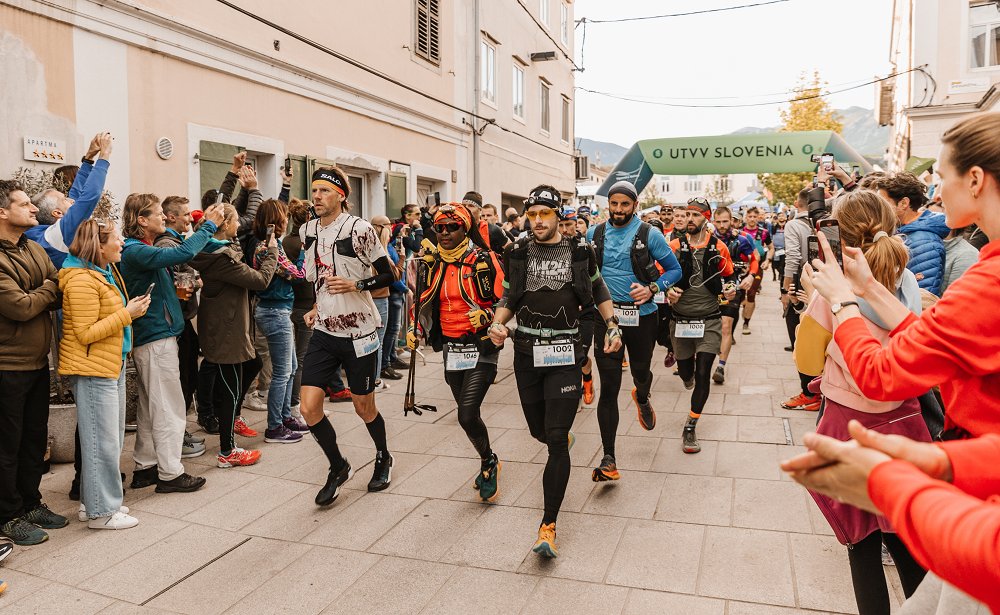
column 582, row 167
column 885, row 102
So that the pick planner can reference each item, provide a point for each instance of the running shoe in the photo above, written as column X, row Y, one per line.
column 789, row 348
column 256, row 401
column 803, row 402
column 6, row 548
column 281, row 435
column 647, row 417
column 190, row 438
column 209, row 424
column 44, row 518
column 689, row 384
column 240, row 428
column 296, row 425
column 190, row 449
column 391, row 374
column 670, row 359
column 588, row 391
column 381, row 385
column 746, row 328
column 489, row 479
column 546, row 543
column 334, row 481
column 399, row 363
column 238, row 457
column 690, row 443
column 341, row 395
column 720, row 375
column 887, row 557
column 382, row 475
column 625, row 363
column 23, row 533
column 185, row 483
column 608, row 470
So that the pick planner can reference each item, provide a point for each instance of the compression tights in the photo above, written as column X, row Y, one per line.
column 549, row 422
column 699, row 367
column 469, row 388
column 870, row 589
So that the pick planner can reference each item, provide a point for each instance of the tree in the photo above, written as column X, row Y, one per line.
column 651, row 195
column 808, row 110
column 719, row 191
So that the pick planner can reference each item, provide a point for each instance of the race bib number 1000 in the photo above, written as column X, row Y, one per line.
column 554, row 354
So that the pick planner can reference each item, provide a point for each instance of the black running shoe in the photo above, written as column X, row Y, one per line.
column 334, row 481
column 44, row 518
column 689, row 384
column 185, row 483
column 399, row 363
column 383, row 472
column 720, row 375
column 209, row 423
column 691, row 444
column 23, row 533
column 144, row 478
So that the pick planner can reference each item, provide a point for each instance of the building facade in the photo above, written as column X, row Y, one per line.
column 409, row 97
column 720, row 189
column 952, row 50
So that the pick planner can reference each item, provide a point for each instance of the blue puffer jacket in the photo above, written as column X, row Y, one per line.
column 925, row 239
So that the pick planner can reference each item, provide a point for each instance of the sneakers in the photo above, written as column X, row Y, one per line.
column 6, row 548
column 185, row 483
column 803, row 402
column 789, row 348
column 240, row 428
column 647, row 418
column 45, row 518
column 546, row 543
column 746, row 328
column 295, row 425
column 334, row 481
column 74, row 490
column 238, row 457
column 689, row 384
column 23, row 533
column 190, row 438
column 608, row 470
column 391, row 374
column 117, row 521
column 383, row 472
column 489, row 479
column 131, row 427
column 399, row 363
column 588, row 391
column 690, row 443
column 144, row 478
column 381, row 385
column 887, row 557
column 341, row 395
column 210, row 424
column 670, row 359
column 296, row 411
column 190, row 449
column 281, row 435
column 625, row 363
column 720, row 375
column 256, row 401
column 82, row 513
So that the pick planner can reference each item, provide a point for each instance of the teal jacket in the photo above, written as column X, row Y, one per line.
column 142, row 265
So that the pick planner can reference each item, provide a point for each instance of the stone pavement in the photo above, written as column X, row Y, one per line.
column 721, row 532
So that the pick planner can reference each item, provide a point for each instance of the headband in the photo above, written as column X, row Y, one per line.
column 331, row 179
column 454, row 211
column 701, row 206
column 879, row 235
column 543, row 196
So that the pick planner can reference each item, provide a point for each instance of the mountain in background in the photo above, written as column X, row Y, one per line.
column 861, row 132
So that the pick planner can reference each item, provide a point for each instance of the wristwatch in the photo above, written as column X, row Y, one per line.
column 654, row 287
column 612, row 320
column 360, row 285
column 836, row 307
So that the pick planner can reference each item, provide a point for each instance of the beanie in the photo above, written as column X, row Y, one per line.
column 624, row 187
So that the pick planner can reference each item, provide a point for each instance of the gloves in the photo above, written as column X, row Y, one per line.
column 411, row 338
column 479, row 319
column 429, row 251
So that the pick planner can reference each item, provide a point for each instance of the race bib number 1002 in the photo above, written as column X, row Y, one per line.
column 554, row 354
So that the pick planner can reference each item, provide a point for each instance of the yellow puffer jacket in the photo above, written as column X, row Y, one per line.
column 94, row 321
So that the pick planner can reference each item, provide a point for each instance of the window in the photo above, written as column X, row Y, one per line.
column 692, row 183
column 723, row 184
column 565, row 119
column 564, row 22
column 488, row 72
column 427, row 33
column 543, row 12
column 984, row 34
column 517, row 91
column 544, row 104
column 665, row 185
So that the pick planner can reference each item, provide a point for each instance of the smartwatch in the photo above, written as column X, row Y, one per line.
column 612, row 320
column 654, row 287
column 360, row 285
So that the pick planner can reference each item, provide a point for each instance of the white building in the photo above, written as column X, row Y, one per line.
column 677, row 189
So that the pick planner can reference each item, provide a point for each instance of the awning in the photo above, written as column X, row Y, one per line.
column 918, row 165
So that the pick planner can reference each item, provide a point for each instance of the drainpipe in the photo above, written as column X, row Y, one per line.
column 477, row 80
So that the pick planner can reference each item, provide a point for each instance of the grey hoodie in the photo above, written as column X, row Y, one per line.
column 797, row 232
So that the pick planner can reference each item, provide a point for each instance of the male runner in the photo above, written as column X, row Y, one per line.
column 548, row 279
column 765, row 251
column 746, row 265
column 588, row 314
column 341, row 250
column 696, row 328
column 628, row 251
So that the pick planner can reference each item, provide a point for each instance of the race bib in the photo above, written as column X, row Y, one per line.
column 660, row 298
column 628, row 314
column 691, row 329
column 779, row 252
column 366, row 345
column 554, row 354
column 460, row 357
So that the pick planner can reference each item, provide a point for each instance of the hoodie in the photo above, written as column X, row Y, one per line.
column 925, row 239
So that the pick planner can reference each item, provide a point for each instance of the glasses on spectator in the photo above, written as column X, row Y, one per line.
column 698, row 201
column 447, row 227
column 541, row 214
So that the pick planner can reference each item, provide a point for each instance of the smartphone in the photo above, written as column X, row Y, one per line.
column 270, row 234
column 815, row 181
column 288, row 167
column 812, row 249
column 434, row 199
column 149, row 290
column 827, row 161
column 219, row 197
column 831, row 228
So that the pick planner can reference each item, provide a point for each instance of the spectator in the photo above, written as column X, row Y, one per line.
column 390, row 361
column 492, row 236
column 778, row 268
column 959, row 255
column 489, row 213
column 161, row 417
column 408, row 227
column 381, row 298
column 924, row 230
column 304, row 293
column 96, row 338
column 28, row 290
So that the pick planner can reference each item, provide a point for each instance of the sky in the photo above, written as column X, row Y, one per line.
column 743, row 53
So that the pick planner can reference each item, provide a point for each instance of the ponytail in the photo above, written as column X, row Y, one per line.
column 867, row 221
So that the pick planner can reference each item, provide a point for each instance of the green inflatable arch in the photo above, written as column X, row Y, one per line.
column 777, row 152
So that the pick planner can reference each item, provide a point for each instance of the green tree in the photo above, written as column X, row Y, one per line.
column 808, row 110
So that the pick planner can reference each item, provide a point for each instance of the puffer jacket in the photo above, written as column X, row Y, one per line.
column 925, row 239
column 96, row 326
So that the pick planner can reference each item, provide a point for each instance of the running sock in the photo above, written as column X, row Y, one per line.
column 326, row 436
column 376, row 429
column 587, row 377
column 722, row 363
column 692, row 421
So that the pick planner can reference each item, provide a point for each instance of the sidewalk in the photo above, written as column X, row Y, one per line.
column 720, row 532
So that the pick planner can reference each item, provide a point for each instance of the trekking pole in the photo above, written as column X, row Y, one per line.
column 409, row 401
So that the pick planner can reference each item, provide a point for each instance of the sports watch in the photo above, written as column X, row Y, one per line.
column 654, row 287
column 360, row 285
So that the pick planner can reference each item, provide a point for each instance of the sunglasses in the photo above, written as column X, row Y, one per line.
column 448, row 227
column 543, row 214
column 697, row 201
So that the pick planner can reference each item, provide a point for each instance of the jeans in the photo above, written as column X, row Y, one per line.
column 395, row 321
column 24, row 433
column 162, row 417
column 276, row 325
column 100, row 406
column 383, row 312
column 302, row 336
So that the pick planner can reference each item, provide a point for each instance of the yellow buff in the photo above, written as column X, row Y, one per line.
column 450, row 256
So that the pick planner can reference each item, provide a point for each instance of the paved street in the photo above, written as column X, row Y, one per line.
column 721, row 532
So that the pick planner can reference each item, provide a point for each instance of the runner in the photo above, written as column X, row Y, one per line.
column 570, row 227
column 548, row 278
column 765, row 252
column 697, row 328
column 341, row 250
column 746, row 266
column 462, row 282
column 627, row 254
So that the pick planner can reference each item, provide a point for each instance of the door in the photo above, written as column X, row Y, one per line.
column 424, row 190
column 214, row 161
column 395, row 194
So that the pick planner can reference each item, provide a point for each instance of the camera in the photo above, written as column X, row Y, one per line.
column 817, row 206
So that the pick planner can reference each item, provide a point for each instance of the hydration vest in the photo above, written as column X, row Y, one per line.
column 643, row 265
column 710, row 260
column 757, row 236
column 516, row 270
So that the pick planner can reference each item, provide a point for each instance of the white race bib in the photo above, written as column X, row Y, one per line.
column 779, row 252
column 660, row 298
column 628, row 314
column 554, row 354
column 366, row 345
column 692, row 329
column 461, row 357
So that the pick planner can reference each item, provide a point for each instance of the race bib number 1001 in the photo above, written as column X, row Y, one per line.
column 554, row 354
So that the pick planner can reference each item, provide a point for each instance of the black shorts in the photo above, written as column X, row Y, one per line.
column 732, row 309
column 327, row 353
column 535, row 384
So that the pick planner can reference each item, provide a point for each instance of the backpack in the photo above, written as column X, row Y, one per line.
column 643, row 265
column 709, row 263
column 758, row 244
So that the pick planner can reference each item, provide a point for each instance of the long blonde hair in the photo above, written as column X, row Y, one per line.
column 862, row 214
column 90, row 236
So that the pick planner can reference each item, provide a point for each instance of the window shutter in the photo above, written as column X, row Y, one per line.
column 428, row 34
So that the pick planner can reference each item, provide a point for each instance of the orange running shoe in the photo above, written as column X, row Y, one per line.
column 546, row 543
column 647, row 417
column 588, row 391
column 608, row 470
column 801, row 401
column 238, row 457
column 240, row 428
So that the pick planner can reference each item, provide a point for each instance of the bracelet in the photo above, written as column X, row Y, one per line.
column 86, row 160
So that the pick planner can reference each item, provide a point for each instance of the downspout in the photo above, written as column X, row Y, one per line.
column 477, row 45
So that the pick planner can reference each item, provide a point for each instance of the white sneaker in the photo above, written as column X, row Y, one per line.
column 117, row 521
column 380, row 385
column 82, row 514
column 256, row 401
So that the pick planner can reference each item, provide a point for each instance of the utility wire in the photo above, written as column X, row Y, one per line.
column 545, row 31
column 701, row 12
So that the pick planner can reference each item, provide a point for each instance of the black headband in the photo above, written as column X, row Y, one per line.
column 325, row 175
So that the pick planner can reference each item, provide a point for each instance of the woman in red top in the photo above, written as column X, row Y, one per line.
column 463, row 283
column 956, row 343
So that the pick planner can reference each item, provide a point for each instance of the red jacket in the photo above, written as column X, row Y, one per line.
column 954, row 344
column 951, row 529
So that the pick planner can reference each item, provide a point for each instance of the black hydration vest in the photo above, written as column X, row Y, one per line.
column 516, row 271
column 643, row 265
column 709, row 265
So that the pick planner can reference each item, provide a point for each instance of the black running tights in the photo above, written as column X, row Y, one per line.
column 870, row 589
column 639, row 341
column 699, row 366
column 469, row 387
column 226, row 393
column 549, row 421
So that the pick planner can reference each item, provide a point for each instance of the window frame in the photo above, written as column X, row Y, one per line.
column 991, row 45
column 431, row 11
column 545, row 107
column 488, row 70
column 566, row 128
column 564, row 23
column 544, row 13
column 518, row 87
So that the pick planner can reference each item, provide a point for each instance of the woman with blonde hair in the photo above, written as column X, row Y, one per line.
column 97, row 336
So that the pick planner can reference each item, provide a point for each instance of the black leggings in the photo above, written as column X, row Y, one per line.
column 226, row 392
column 469, row 388
column 870, row 588
column 699, row 367
column 549, row 421
column 639, row 341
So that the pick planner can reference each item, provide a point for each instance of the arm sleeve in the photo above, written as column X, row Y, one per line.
column 229, row 185
column 793, row 249
column 83, row 208
column 88, row 329
column 80, row 181
column 254, row 199
column 726, row 265
column 950, row 532
column 968, row 458
column 240, row 274
column 383, row 275
column 20, row 305
column 813, row 337
column 285, row 191
column 664, row 256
